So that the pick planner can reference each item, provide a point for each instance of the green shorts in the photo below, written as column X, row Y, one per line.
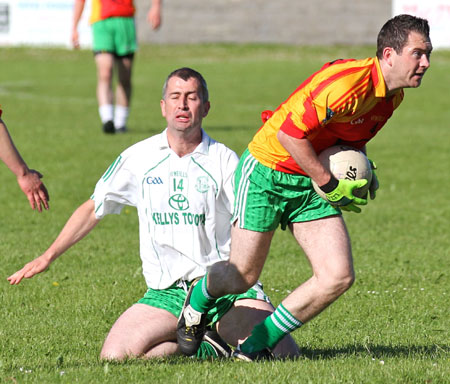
column 116, row 35
column 266, row 198
column 172, row 300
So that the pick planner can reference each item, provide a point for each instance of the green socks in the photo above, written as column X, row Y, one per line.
column 272, row 330
column 206, row 351
column 200, row 299
column 266, row 334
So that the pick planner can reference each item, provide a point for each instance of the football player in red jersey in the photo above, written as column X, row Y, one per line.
column 345, row 102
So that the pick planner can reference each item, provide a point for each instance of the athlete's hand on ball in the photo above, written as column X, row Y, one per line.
column 342, row 195
column 374, row 184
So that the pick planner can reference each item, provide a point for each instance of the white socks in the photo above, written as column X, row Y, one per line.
column 118, row 114
column 106, row 112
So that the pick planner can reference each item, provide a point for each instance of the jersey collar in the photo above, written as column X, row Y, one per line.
column 201, row 148
column 378, row 79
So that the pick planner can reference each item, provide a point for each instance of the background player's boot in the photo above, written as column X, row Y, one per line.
column 191, row 327
column 108, row 127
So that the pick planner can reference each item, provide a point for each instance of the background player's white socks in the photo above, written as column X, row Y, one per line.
column 106, row 112
column 120, row 116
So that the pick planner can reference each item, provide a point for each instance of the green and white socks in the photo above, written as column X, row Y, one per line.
column 266, row 334
column 271, row 331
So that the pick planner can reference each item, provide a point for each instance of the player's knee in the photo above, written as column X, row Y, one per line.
column 344, row 281
column 112, row 352
column 104, row 75
column 226, row 278
column 125, row 84
column 243, row 282
column 347, row 281
column 111, row 355
column 339, row 282
column 244, row 279
column 237, row 284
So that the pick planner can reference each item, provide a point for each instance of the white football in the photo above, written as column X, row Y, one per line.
column 346, row 163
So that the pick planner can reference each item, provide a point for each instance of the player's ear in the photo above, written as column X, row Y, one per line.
column 162, row 103
column 206, row 107
column 388, row 52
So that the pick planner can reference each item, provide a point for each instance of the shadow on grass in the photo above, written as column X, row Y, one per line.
column 376, row 351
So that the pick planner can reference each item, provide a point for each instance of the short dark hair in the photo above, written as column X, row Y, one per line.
column 186, row 73
column 395, row 32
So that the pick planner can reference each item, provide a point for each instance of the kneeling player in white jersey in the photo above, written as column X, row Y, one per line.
column 181, row 183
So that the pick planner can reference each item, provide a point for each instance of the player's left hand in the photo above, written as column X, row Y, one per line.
column 374, row 184
column 342, row 194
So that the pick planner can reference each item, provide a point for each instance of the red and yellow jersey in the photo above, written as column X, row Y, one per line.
column 104, row 9
column 343, row 103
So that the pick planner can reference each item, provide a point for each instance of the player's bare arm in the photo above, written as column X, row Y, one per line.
column 81, row 222
column 29, row 180
column 303, row 153
column 77, row 12
column 154, row 14
column 338, row 192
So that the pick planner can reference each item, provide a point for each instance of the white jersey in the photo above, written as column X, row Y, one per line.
column 184, row 205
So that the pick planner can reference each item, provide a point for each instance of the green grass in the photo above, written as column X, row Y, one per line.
column 391, row 327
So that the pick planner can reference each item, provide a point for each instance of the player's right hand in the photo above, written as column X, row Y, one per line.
column 75, row 39
column 342, row 195
column 30, row 269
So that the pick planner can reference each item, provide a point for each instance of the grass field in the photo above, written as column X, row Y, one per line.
column 391, row 327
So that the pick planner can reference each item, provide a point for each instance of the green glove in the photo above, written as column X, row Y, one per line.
column 339, row 193
column 374, row 184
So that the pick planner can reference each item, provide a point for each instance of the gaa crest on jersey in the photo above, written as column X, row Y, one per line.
column 179, row 202
column 202, row 184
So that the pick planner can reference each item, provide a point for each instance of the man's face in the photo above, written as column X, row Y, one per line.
column 410, row 66
column 182, row 105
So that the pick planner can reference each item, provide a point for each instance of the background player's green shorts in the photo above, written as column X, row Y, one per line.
column 115, row 35
column 172, row 299
column 266, row 198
